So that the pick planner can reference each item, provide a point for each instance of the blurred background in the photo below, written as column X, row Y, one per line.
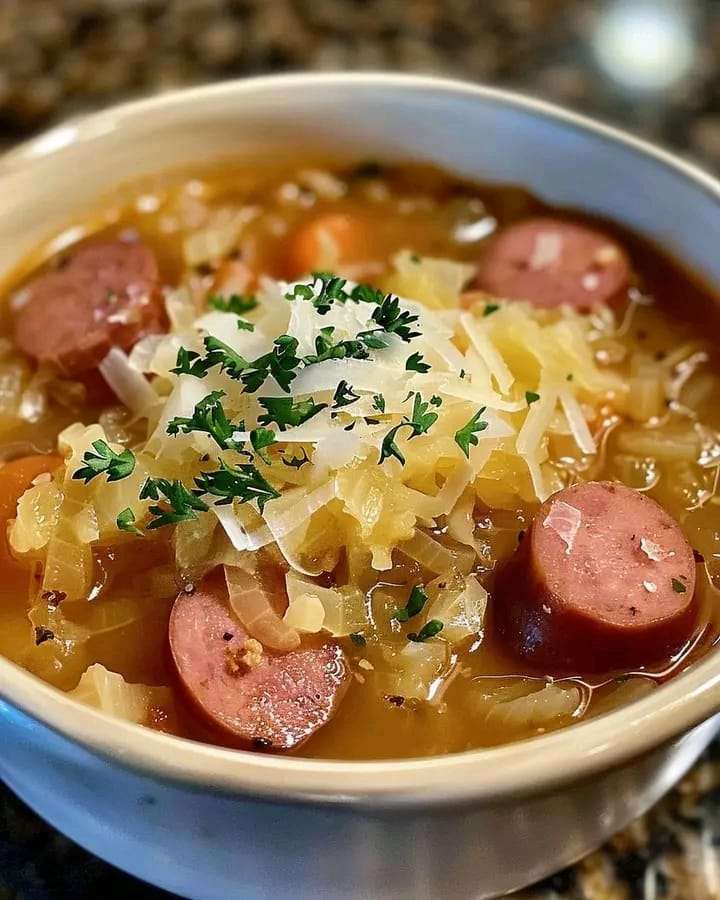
column 652, row 66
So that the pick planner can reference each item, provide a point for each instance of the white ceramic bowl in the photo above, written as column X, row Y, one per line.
column 213, row 823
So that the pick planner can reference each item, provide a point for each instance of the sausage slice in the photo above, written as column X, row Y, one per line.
column 107, row 294
column 551, row 262
column 271, row 702
column 604, row 578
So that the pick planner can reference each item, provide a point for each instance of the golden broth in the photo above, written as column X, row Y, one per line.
column 421, row 209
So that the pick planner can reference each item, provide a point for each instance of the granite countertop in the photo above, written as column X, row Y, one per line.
column 649, row 65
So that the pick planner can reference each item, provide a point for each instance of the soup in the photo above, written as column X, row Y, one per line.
column 356, row 462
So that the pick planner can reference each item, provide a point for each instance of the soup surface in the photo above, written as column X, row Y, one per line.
column 356, row 463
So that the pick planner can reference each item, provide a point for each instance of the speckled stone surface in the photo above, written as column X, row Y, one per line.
column 61, row 57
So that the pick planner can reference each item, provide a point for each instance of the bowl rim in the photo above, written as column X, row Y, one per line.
column 490, row 774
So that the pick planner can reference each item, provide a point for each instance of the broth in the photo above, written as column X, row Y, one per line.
column 667, row 322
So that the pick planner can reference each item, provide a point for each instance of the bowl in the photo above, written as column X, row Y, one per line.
column 208, row 822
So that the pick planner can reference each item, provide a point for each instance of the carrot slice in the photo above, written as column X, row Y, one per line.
column 327, row 242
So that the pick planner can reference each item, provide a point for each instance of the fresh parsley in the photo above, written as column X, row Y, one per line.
column 678, row 586
column 344, row 395
column 389, row 446
column 414, row 363
column 429, row 630
column 209, row 418
column 221, row 354
column 105, row 461
column 297, row 462
column 414, row 606
column 531, row 397
column 281, row 363
column 285, row 413
column 466, row 436
column 261, row 438
column 420, row 420
column 189, row 362
column 379, row 403
column 126, row 522
column 235, row 303
column 490, row 308
column 179, row 503
column 242, row 482
column 393, row 320
column 325, row 289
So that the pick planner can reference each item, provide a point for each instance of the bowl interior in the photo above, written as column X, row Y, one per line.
column 474, row 132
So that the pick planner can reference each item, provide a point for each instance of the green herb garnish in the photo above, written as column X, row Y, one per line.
column 260, row 438
column 531, row 397
column 297, row 462
column 242, row 482
column 105, row 461
column 421, row 420
column 678, row 586
column 344, row 395
column 180, row 506
column 285, row 413
column 429, row 630
column 126, row 522
column 190, row 363
column 379, row 403
column 414, row 363
column 416, row 601
column 466, row 436
column 394, row 320
column 490, row 308
column 235, row 303
column 208, row 418
column 280, row 363
column 389, row 448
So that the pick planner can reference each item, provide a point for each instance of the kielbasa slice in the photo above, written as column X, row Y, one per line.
column 603, row 579
column 551, row 262
column 276, row 702
column 107, row 294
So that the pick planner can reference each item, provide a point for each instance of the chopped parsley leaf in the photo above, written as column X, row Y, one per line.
column 490, row 308
column 220, row 354
column 421, row 420
column 285, row 413
column 297, row 462
column 280, row 363
column 344, row 395
column 389, row 447
column 326, row 288
column 126, row 522
column 531, row 397
column 394, row 320
column 209, row 418
column 435, row 401
column 416, row 601
column 414, row 258
column 190, row 363
column 181, row 504
column 365, row 293
column 260, row 438
column 235, row 303
column 242, row 482
column 379, row 403
column 678, row 586
column 466, row 436
column 569, row 377
column 414, row 363
column 105, row 461
column 429, row 630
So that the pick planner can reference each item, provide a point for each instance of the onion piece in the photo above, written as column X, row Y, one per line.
column 576, row 421
column 462, row 611
column 130, row 386
column 428, row 552
column 305, row 613
column 251, row 604
column 344, row 607
column 100, row 688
